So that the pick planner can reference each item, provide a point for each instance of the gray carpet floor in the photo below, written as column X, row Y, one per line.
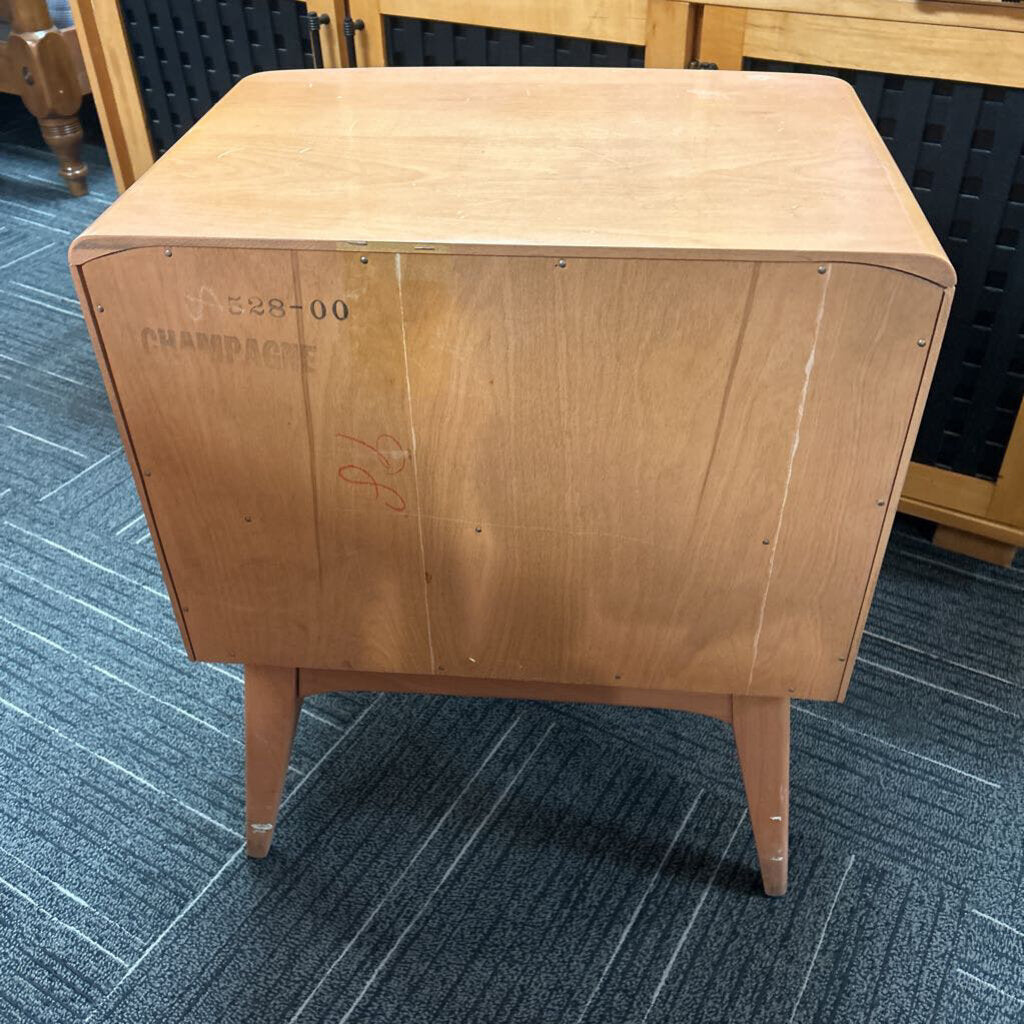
column 444, row 860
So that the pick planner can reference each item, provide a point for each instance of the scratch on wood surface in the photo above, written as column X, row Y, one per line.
column 415, row 462
column 723, row 408
column 801, row 406
column 196, row 304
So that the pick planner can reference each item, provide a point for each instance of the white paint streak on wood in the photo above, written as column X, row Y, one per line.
column 415, row 462
column 801, row 407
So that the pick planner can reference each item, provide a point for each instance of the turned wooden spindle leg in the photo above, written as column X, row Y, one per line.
column 64, row 137
column 39, row 59
column 761, row 728
column 272, row 706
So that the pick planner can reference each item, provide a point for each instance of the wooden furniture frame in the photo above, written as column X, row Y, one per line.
column 424, row 434
column 107, row 56
column 967, row 42
column 979, row 42
column 44, row 66
column 274, row 696
column 665, row 27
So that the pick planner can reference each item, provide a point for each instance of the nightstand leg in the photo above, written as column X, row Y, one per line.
column 272, row 705
column 761, row 728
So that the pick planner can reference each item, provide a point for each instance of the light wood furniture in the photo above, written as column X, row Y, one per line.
column 962, row 42
column 949, row 39
column 664, row 27
column 539, row 398
column 107, row 56
column 43, row 65
column 119, row 102
column 965, row 42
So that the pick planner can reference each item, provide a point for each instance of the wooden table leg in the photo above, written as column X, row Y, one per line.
column 761, row 728
column 272, row 706
column 40, row 62
column 64, row 137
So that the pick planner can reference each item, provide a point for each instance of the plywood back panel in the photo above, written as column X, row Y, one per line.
column 632, row 473
column 594, row 423
column 853, row 432
column 242, row 425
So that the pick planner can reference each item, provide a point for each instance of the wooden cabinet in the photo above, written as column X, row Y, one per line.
column 958, row 130
column 542, row 396
column 967, row 473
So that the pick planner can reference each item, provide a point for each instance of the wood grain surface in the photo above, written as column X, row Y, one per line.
column 319, row 680
column 620, row 21
column 761, row 728
column 655, row 474
column 272, row 704
column 563, row 161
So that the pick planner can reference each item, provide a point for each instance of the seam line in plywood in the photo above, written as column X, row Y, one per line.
column 415, row 462
column 308, row 417
column 800, row 409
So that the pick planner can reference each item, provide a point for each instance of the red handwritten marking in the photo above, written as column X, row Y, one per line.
column 385, row 451
column 369, row 481
column 383, row 457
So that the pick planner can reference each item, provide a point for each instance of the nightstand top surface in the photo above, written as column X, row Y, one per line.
column 560, row 161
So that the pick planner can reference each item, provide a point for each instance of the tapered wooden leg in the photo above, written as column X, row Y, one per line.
column 272, row 706
column 761, row 727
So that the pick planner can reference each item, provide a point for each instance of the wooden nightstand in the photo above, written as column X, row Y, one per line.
column 573, row 384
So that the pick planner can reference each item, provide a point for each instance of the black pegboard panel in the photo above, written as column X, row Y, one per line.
column 415, row 42
column 961, row 148
column 189, row 53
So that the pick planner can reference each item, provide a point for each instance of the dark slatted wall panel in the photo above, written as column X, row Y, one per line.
column 961, row 148
column 189, row 53
column 413, row 42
